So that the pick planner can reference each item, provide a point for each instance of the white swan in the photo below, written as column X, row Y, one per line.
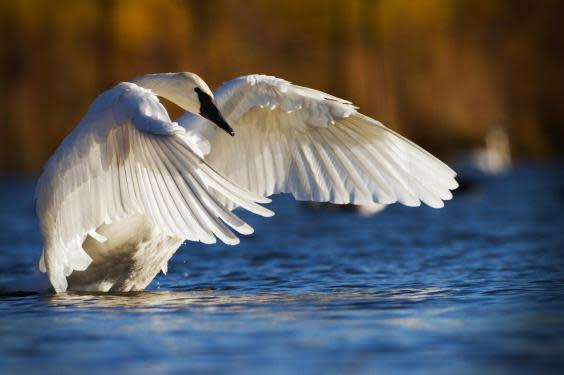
column 128, row 185
column 495, row 158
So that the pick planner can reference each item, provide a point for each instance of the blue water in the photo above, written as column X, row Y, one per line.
column 476, row 286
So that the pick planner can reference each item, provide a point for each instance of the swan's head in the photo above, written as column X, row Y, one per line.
column 188, row 91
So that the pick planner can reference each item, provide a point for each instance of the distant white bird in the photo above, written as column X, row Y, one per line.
column 128, row 185
column 495, row 158
column 369, row 209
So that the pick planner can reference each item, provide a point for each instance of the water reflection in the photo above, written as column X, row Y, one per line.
column 208, row 299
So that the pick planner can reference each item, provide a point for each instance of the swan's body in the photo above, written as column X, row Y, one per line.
column 135, row 251
column 128, row 185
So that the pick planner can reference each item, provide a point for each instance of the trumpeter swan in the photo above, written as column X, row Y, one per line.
column 128, row 185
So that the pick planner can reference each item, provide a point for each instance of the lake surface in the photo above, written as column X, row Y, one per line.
column 476, row 286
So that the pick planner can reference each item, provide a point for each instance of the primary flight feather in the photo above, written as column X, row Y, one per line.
column 293, row 139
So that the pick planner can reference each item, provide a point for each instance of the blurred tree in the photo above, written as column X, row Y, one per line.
column 440, row 71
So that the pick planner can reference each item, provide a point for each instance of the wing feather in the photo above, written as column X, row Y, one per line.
column 292, row 139
column 125, row 158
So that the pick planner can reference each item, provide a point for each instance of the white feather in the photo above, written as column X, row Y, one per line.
column 127, row 158
column 292, row 139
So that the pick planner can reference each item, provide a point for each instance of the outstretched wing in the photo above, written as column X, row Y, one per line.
column 318, row 147
column 127, row 157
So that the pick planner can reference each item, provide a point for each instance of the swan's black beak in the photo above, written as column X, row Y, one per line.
column 218, row 119
column 209, row 111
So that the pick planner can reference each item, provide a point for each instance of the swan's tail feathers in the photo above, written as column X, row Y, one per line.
column 61, row 261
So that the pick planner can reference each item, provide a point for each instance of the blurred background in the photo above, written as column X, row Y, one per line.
column 442, row 72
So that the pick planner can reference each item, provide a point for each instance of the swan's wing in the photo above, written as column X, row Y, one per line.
column 317, row 147
column 127, row 157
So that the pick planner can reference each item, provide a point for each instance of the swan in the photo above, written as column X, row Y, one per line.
column 128, row 185
column 495, row 158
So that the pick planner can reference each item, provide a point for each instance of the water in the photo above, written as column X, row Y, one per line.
column 477, row 286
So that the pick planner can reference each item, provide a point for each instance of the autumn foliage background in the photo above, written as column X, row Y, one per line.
column 441, row 72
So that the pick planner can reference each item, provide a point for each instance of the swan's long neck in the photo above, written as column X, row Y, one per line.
column 188, row 91
column 169, row 86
